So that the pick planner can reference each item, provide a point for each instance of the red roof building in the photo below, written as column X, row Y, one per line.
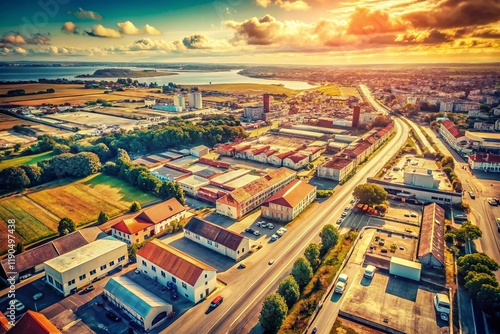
column 485, row 162
column 34, row 323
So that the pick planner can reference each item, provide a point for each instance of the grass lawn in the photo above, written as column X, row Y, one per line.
column 25, row 160
column 38, row 213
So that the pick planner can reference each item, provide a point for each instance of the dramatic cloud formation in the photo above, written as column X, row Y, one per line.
column 293, row 5
column 98, row 30
column 128, row 28
column 16, row 38
column 150, row 30
column 87, row 14
column 263, row 3
column 196, row 42
column 366, row 21
column 69, row 28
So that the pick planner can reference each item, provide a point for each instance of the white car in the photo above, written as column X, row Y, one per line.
column 256, row 233
column 270, row 226
column 280, row 232
column 37, row 296
column 274, row 237
column 341, row 283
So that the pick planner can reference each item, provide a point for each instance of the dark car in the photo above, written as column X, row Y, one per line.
column 89, row 288
column 471, row 194
column 113, row 316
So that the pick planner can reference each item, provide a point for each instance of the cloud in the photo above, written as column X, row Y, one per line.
column 150, row 30
column 424, row 37
column 128, row 28
column 487, row 33
column 4, row 51
column 366, row 21
column 70, row 28
column 98, row 30
column 12, row 39
column 196, row 42
column 15, row 38
column 263, row 3
column 293, row 5
column 456, row 13
column 87, row 14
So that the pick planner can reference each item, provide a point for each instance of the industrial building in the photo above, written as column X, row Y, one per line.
column 145, row 308
column 241, row 201
column 69, row 272
column 431, row 241
column 217, row 238
column 289, row 202
column 195, row 100
column 192, row 278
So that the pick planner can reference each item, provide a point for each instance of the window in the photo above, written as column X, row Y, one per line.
column 137, row 233
column 184, row 285
column 112, row 263
column 144, row 263
column 82, row 277
column 103, row 267
column 153, row 268
column 188, row 233
column 206, row 275
column 92, row 272
column 173, row 279
column 209, row 242
column 198, row 237
column 121, row 258
column 71, row 282
column 59, row 285
column 243, row 250
column 51, row 281
column 206, row 283
column 216, row 245
column 163, row 273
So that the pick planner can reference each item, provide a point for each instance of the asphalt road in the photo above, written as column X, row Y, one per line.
column 421, row 136
column 247, row 288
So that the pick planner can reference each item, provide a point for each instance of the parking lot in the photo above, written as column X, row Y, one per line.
column 392, row 303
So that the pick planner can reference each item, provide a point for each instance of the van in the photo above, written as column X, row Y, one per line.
column 369, row 271
column 442, row 303
column 498, row 224
column 217, row 301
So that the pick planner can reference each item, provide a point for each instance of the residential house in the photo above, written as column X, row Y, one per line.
column 241, row 201
column 289, row 202
column 453, row 136
column 485, row 162
column 336, row 169
column 296, row 161
column 263, row 156
column 192, row 278
column 150, row 221
column 277, row 158
column 217, row 238
column 69, row 272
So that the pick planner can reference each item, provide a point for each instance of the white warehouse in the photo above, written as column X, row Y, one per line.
column 193, row 279
column 71, row 271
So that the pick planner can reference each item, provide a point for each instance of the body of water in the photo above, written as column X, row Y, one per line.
column 182, row 78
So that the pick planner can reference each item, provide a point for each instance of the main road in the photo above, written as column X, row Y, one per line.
column 247, row 288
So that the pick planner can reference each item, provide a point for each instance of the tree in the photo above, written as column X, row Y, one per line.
column 312, row 253
column 329, row 237
column 448, row 161
column 66, row 226
column 468, row 232
column 14, row 178
column 60, row 149
column 289, row 290
column 17, row 147
column 488, row 298
column 103, row 217
column 302, row 272
column 19, row 248
column 135, row 207
column 467, row 262
column 273, row 313
column 34, row 173
column 476, row 281
column 370, row 194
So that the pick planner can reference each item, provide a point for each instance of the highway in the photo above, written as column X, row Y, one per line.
column 247, row 288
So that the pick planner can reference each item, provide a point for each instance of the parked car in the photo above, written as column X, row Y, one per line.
column 492, row 201
column 407, row 215
column 460, row 217
column 413, row 215
column 347, row 208
column 340, row 221
column 113, row 316
column 137, row 271
column 270, row 262
column 90, row 288
column 242, row 265
column 472, row 195
column 270, row 226
column 37, row 296
column 256, row 233
column 274, row 237
column 343, row 214
column 217, row 301
column 17, row 304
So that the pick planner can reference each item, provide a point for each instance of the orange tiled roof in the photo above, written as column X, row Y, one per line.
column 291, row 195
column 131, row 225
column 34, row 323
column 162, row 211
column 174, row 261
column 216, row 233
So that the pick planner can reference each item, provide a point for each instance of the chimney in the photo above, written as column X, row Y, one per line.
column 355, row 116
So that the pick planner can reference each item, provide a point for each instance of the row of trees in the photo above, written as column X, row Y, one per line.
column 141, row 177
column 370, row 194
column 64, row 165
column 276, row 306
column 448, row 165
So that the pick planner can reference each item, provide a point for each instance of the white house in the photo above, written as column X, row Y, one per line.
column 217, row 238
column 453, row 136
column 199, row 151
column 192, row 278
column 485, row 162
column 296, row 161
column 73, row 270
column 145, row 308
column 336, row 169
column 149, row 222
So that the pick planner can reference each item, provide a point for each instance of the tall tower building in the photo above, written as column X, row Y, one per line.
column 355, row 116
column 267, row 102
column 195, row 100
column 180, row 101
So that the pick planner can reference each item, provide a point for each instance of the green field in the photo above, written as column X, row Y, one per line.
column 247, row 88
column 332, row 90
column 37, row 214
column 27, row 160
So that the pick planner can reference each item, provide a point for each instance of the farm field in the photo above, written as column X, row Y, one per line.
column 27, row 160
column 7, row 122
column 37, row 214
column 332, row 90
column 247, row 89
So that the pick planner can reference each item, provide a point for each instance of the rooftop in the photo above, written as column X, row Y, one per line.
column 134, row 296
column 242, row 181
column 85, row 254
column 230, row 176
column 452, row 129
column 432, row 232
column 167, row 172
column 485, row 158
column 159, row 212
column 337, row 163
column 291, row 195
column 213, row 232
column 34, row 323
column 131, row 225
column 194, row 181
column 173, row 261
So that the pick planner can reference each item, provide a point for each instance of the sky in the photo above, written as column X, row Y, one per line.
column 319, row 32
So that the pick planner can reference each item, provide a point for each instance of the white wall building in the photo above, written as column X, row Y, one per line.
column 217, row 238
column 199, row 151
column 71, row 271
column 180, row 101
column 192, row 278
column 195, row 100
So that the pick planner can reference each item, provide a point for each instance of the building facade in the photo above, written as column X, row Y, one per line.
column 453, row 136
column 485, row 162
column 217, row 238
column 192, row 278
column 69, row 272
column 289, row 202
